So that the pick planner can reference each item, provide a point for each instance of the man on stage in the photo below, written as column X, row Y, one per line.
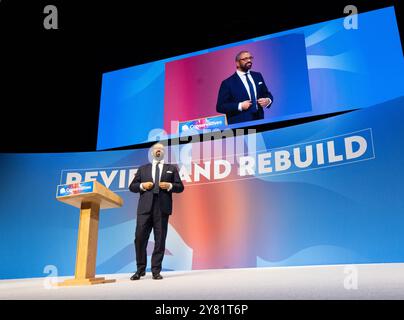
column 155, row 182
column 244, row 95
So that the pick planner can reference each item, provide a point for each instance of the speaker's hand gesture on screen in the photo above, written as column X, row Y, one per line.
column 263, row 102
column 246, row 104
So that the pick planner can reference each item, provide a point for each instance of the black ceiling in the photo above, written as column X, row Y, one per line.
column 51, row 79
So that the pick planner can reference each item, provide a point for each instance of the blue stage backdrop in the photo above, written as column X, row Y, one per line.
column 324, row 192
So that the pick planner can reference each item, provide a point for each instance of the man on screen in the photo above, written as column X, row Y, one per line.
column 244, row 95
column 156, row 183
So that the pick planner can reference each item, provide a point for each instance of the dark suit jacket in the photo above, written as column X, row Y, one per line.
column 232, row 91
column 144, row 174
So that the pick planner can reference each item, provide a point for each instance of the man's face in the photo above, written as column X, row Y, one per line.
column 245, row 61
column 158, row 151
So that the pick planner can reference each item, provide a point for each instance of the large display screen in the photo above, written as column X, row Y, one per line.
column 312, row 70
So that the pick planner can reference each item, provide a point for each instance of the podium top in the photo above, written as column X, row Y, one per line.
column 200, row 124
column 88, row 191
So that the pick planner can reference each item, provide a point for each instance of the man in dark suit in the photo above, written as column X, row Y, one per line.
column 244, row 95
column 155, row 182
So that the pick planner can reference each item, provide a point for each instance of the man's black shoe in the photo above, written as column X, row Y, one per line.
column 157, row 276
column 137, row 275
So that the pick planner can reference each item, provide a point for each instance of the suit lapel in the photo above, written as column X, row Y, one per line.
column 255, row 78
column 163, row 174
column 241, row 87
column 148, row 172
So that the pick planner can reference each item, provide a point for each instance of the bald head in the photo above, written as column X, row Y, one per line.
column 158, row 151
column 244, row 61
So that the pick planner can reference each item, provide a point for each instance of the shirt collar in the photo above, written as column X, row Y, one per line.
column 155, row 162
column 241, row 73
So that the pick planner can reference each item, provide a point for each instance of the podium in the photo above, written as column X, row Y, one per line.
column 89, row 197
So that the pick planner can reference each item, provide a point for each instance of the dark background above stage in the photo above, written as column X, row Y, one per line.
column 51, row 79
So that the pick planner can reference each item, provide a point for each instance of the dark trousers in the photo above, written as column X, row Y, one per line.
column 157, row 221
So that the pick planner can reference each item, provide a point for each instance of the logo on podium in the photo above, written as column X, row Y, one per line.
column 74, row 188
column 200, row 124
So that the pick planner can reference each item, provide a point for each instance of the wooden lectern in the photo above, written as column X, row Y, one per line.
column 90, row 197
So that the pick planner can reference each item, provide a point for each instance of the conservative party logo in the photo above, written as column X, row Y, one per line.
column 74, row 188
column 200, row 124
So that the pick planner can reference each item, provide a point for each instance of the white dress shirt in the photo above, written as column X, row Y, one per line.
column 154, row 164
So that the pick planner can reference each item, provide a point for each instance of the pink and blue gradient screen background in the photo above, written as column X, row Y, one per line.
column 192, row 84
